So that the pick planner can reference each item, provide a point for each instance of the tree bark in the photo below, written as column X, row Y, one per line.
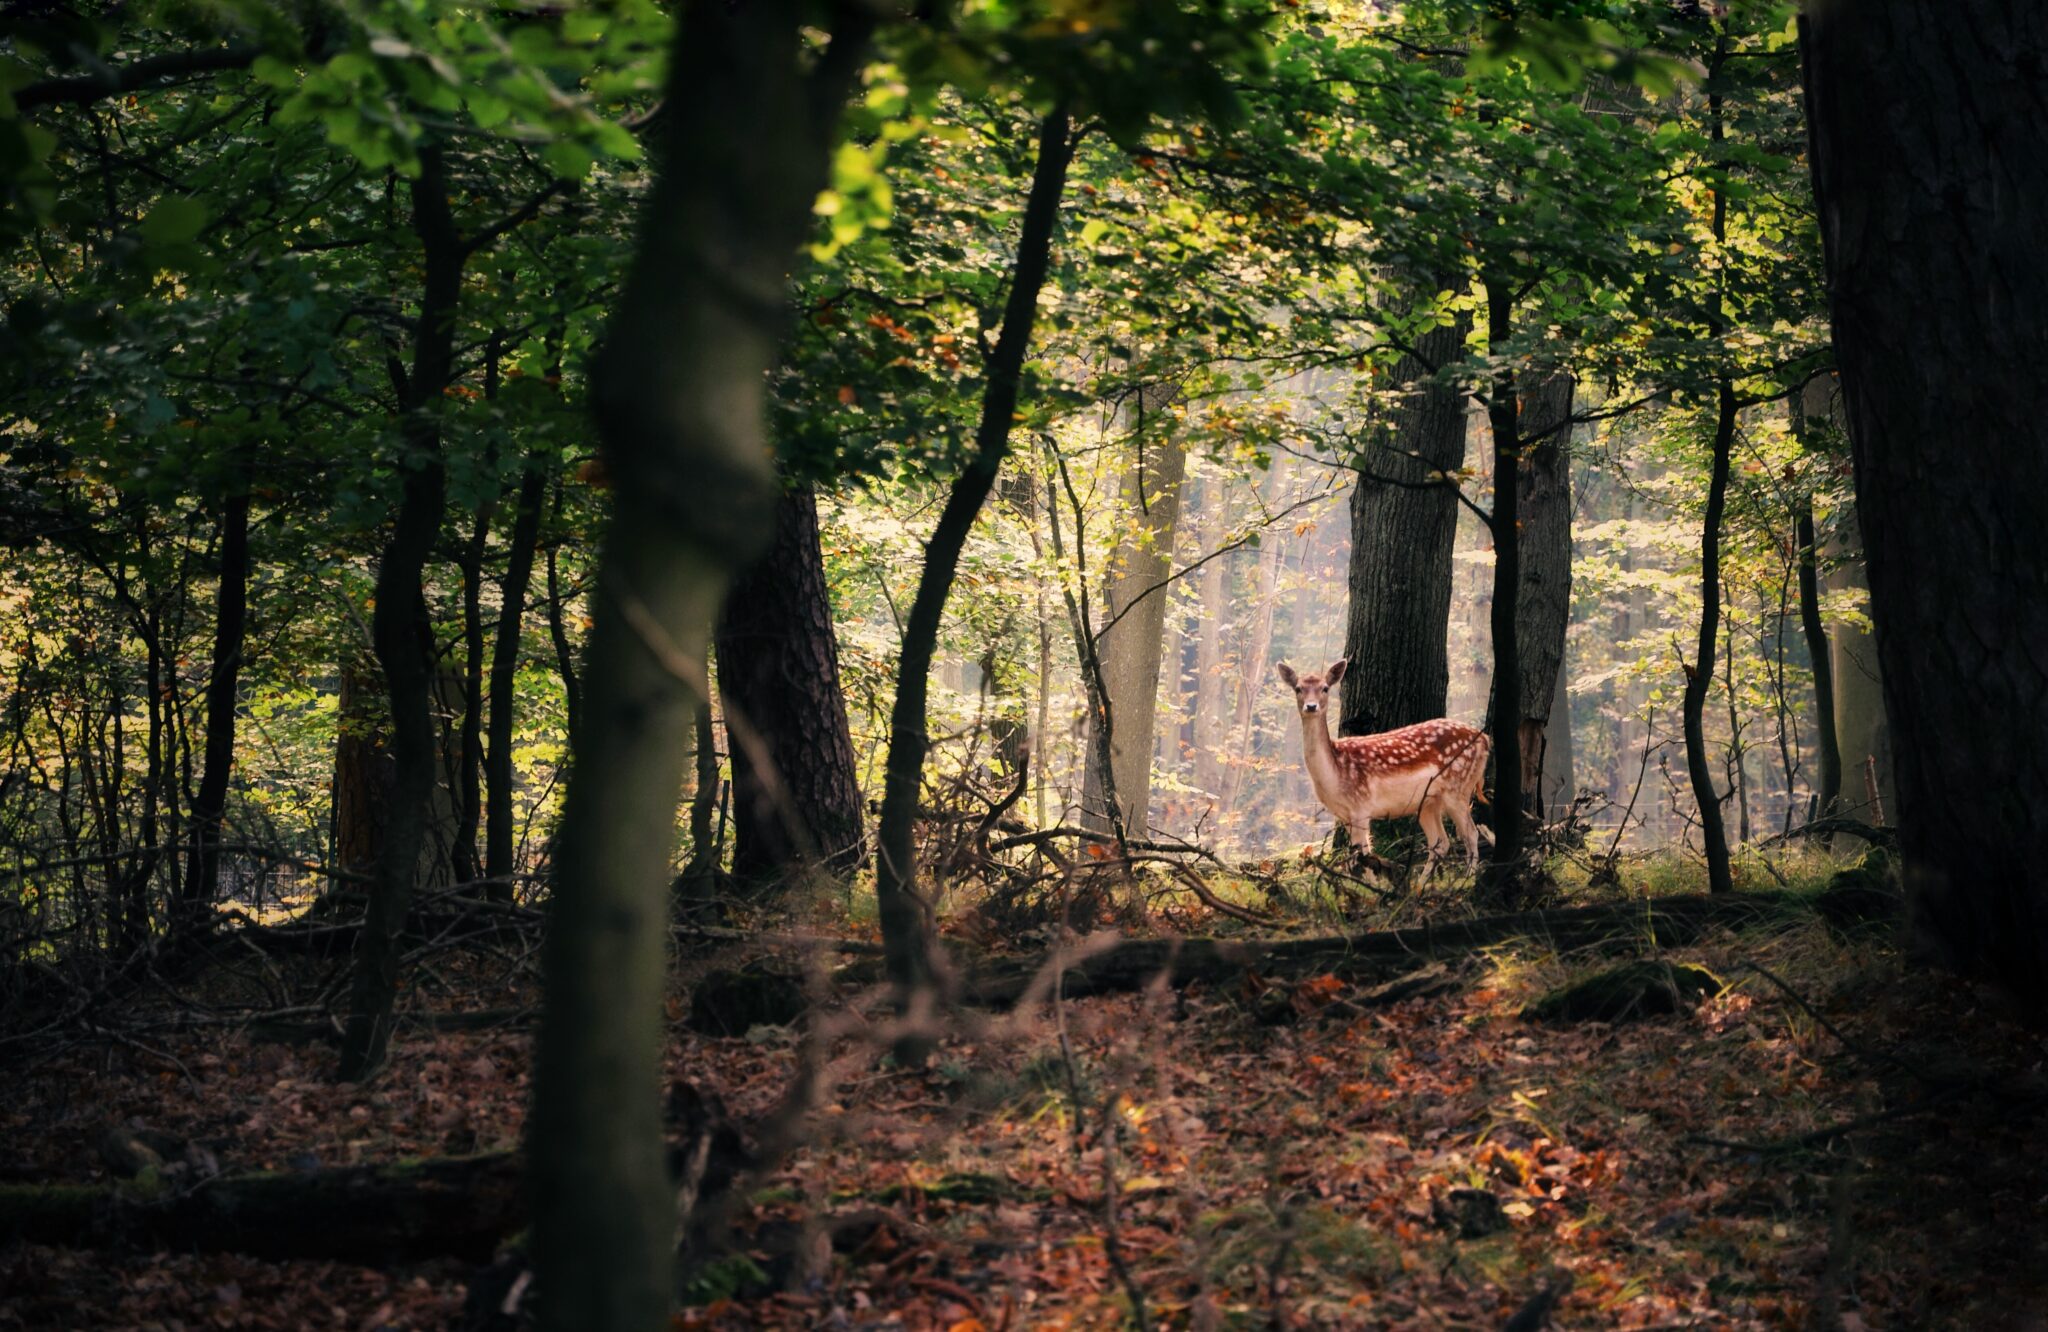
column 1699, row 677
column 468, row 784
column 1544, row 604
column 1503, row 413
column 1403, row 530
column 1931, row 177
column 679, row 390
column 778, row 673
column 1830, row 793
column 502, row 843
column 401, row 631
column 1861, row 728
column 1208, row 728
column 906, row 930
column 1135, row 595
column 230, row 629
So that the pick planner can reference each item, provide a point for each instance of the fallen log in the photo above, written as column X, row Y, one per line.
column 459, row 1207
column 1135, row 963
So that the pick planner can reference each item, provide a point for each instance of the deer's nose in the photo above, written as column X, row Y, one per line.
column 1311, row 707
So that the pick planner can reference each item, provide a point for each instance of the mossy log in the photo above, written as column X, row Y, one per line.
column 1135, row 963
column 452, row 1207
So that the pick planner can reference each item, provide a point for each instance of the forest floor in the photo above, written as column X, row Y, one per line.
column 1847, row 1142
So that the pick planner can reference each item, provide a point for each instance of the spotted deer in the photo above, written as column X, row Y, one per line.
column 1430, row 769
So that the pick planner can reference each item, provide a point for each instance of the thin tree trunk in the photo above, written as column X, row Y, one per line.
column 1931, row 176
column 1817, row 649
column 501, row 846
column 1131, row 639
column 469, row 772
column 230, row 628
column 1208, row 732
column 778, row 673
column 906, row 931
column 1699, row 676
column 679, row 403
column 1258, row 652
column 1503, row 412
column 402, row 633
column 565, row 651
column 1861, row 728
column 1402, row 534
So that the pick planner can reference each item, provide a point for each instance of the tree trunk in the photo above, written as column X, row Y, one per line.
column 679, row 406
column 1699, row 673
column 468, row 777
column 1861, row 727
column 778, row 674
column 1135, row 594
column 362, row 780
column 1258, row 650
column 1931, row 176
column 1503, row 412
column 401, row 631
column 1209, row 735
column 906, row 931
column 502, row 843
column 230, row 628
column 1402, row 532
column 1544, row 605
column 1830, row 792
column 1699, row 677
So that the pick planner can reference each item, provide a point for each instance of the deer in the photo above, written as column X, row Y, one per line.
column 1430, row 769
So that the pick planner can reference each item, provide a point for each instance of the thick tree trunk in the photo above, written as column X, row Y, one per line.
column 1402, row 532
column 679, row 395
column 906, row 930
column 502, row 844
column 230, row 629
column 1544, row 606
column 402, row 632
column 1931, row 175
column 778, row 674
column 1135, row 595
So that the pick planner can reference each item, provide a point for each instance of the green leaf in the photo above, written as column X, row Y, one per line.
column 175, row 220
column 568, row 159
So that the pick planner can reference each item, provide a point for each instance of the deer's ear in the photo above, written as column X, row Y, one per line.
column 1336, row 671
column 1287, row 674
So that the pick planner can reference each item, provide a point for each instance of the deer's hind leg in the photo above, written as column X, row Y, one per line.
column 1432, row 816
column 1468, row 831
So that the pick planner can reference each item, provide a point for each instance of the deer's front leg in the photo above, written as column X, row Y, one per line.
column 1361, row 835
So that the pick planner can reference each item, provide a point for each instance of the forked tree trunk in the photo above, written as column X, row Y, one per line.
column 1931, row 176
column 1402, row 533
column 778, row 675
column 679, row 396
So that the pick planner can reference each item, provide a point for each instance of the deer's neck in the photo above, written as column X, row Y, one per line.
column 1321, row 753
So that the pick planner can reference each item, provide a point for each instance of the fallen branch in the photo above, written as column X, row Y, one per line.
column 457, row 1206
column 1134, row 963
